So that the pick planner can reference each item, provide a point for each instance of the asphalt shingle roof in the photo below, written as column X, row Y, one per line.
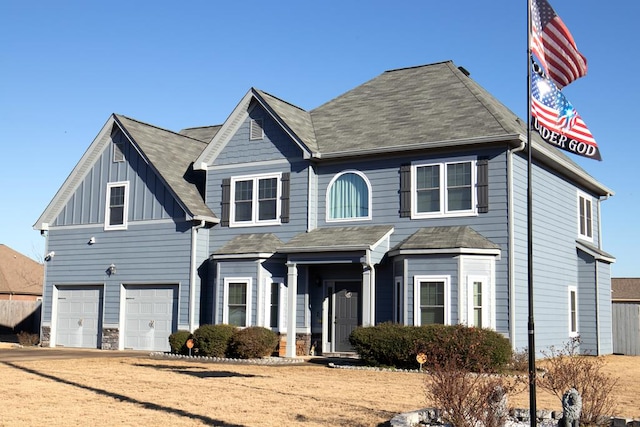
column 446, row 237
column 336, row 239
column 172, row 155
column 19, row 274
column 625, row 289
column 203, row 133
column 250, row 244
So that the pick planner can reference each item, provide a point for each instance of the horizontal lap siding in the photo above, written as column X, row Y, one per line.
column 605, row 310
column 148, row 253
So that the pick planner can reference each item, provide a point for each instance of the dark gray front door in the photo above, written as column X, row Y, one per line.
column 347, row 313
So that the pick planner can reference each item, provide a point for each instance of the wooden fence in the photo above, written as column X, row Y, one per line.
column 626, row 329
column 20, row 315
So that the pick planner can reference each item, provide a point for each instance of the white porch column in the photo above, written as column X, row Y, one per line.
column 292, row 299
column 368, row 295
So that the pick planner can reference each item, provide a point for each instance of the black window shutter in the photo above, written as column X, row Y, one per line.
column 284, row 198
column 226, row 200
column 483, row 185
column 405, row 191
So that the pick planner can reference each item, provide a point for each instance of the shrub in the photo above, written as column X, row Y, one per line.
column 28, row 339
column 253, row 342
column 389, row 344
column 178, row 341
column 213, row 340
column 566, row 368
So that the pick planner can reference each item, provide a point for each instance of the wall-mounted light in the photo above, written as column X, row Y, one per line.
column 50, row 255
column 91, row 241
column 111, row 270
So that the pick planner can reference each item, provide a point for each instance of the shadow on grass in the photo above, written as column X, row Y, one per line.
column 200, row 373
column 123, row 398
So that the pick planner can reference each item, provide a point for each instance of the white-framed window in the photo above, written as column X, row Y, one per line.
column 255, row 200
column 117, row 206
column 274, row 298
column 478, row 302
column 573, row 311
column 349, row 197
column 398, row 300
column 585, row 216
column 432, row 300
column 443, row 188
column 237, row 301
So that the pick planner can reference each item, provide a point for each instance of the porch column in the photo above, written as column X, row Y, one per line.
column 368, row 295
column 292, row 299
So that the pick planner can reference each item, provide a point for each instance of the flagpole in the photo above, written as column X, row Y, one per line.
column 530, row 322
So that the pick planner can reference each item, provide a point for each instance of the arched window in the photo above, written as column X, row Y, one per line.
column 349, row 197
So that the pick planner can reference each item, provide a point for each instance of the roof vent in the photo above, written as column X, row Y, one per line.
column 256, row 131
column 464, row 71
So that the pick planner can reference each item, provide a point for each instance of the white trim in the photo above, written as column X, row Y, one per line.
column 573, row 290
column 254, row 201
column 583, row 197
column 125, row 209
column 444, row 210
column 485, row 304
column 225, row 298
column 252, row 164
column 446, row 279
column 369, row 197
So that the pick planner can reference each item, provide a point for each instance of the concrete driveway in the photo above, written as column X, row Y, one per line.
column 10, row 352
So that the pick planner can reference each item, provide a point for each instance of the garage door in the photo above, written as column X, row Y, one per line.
column 151, row 315
column 79, row 317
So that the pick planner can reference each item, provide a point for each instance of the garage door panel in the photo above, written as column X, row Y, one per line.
column 79, row 316
column 150, row 316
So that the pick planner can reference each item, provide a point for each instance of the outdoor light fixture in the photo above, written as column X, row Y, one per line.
column 91, row 241
column 111, row 270
column 50, row 255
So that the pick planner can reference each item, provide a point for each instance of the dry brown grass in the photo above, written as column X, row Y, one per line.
column 149, row 392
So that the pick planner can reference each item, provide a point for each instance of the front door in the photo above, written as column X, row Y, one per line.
column 346, row 313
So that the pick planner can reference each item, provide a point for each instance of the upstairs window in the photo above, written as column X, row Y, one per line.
column 255, row 200
column 443, row 189
column 116, row 206
column 585, row 217
column 349, row 197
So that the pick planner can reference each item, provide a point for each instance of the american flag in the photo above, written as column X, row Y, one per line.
column 553, row 45
column 555, row 113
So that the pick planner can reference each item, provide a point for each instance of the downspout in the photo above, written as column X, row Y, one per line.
column 510, row 219
column 193, row 274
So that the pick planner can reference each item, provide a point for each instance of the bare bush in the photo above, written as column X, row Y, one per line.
column 566, row 368
column 28, row 339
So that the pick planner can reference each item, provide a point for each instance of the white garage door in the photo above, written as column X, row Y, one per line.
column 79, row 317
column 151, row 315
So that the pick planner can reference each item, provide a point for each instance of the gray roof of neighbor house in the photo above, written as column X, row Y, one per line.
column 625, row 289
column 424, row 107
column 337, row 239
column 171, row 155
column 446, row 237
column 19, row 274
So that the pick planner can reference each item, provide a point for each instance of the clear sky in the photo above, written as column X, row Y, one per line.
column 65, row 66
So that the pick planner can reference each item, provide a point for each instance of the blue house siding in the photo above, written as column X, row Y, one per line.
column 148, row 197
column 605, row 309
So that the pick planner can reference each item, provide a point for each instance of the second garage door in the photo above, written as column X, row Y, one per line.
column 151, row 315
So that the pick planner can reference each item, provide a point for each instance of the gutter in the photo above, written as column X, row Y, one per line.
column 511, row 252
column 192, row 274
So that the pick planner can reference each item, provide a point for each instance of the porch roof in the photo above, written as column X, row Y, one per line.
column 338, row 239
column 595, row 252
column 256, row 244
column 459, row 239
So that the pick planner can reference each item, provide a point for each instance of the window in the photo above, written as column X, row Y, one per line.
column 573, row 311
column 397, row 301
column 431, row 300
column 585, row 218
column 446, row 188
column 273, row 297
column 255, row 200
column 236, row 302
column 348, row 197
column 116, row 206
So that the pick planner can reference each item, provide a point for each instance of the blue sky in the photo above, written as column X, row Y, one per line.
column 67, row 65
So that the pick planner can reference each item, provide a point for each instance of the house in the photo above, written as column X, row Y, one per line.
column 401, row 200
column 20, row 291
column 625, row 299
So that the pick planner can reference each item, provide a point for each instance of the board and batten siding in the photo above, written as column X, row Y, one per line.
column 145, row 254
column 148, row 197
column 555, row 230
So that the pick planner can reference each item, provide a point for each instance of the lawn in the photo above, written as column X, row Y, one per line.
column 149, row 392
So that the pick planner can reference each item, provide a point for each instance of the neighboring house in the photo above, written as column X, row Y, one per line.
column 401, row 200
column 21, row 281
column 625, row 298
